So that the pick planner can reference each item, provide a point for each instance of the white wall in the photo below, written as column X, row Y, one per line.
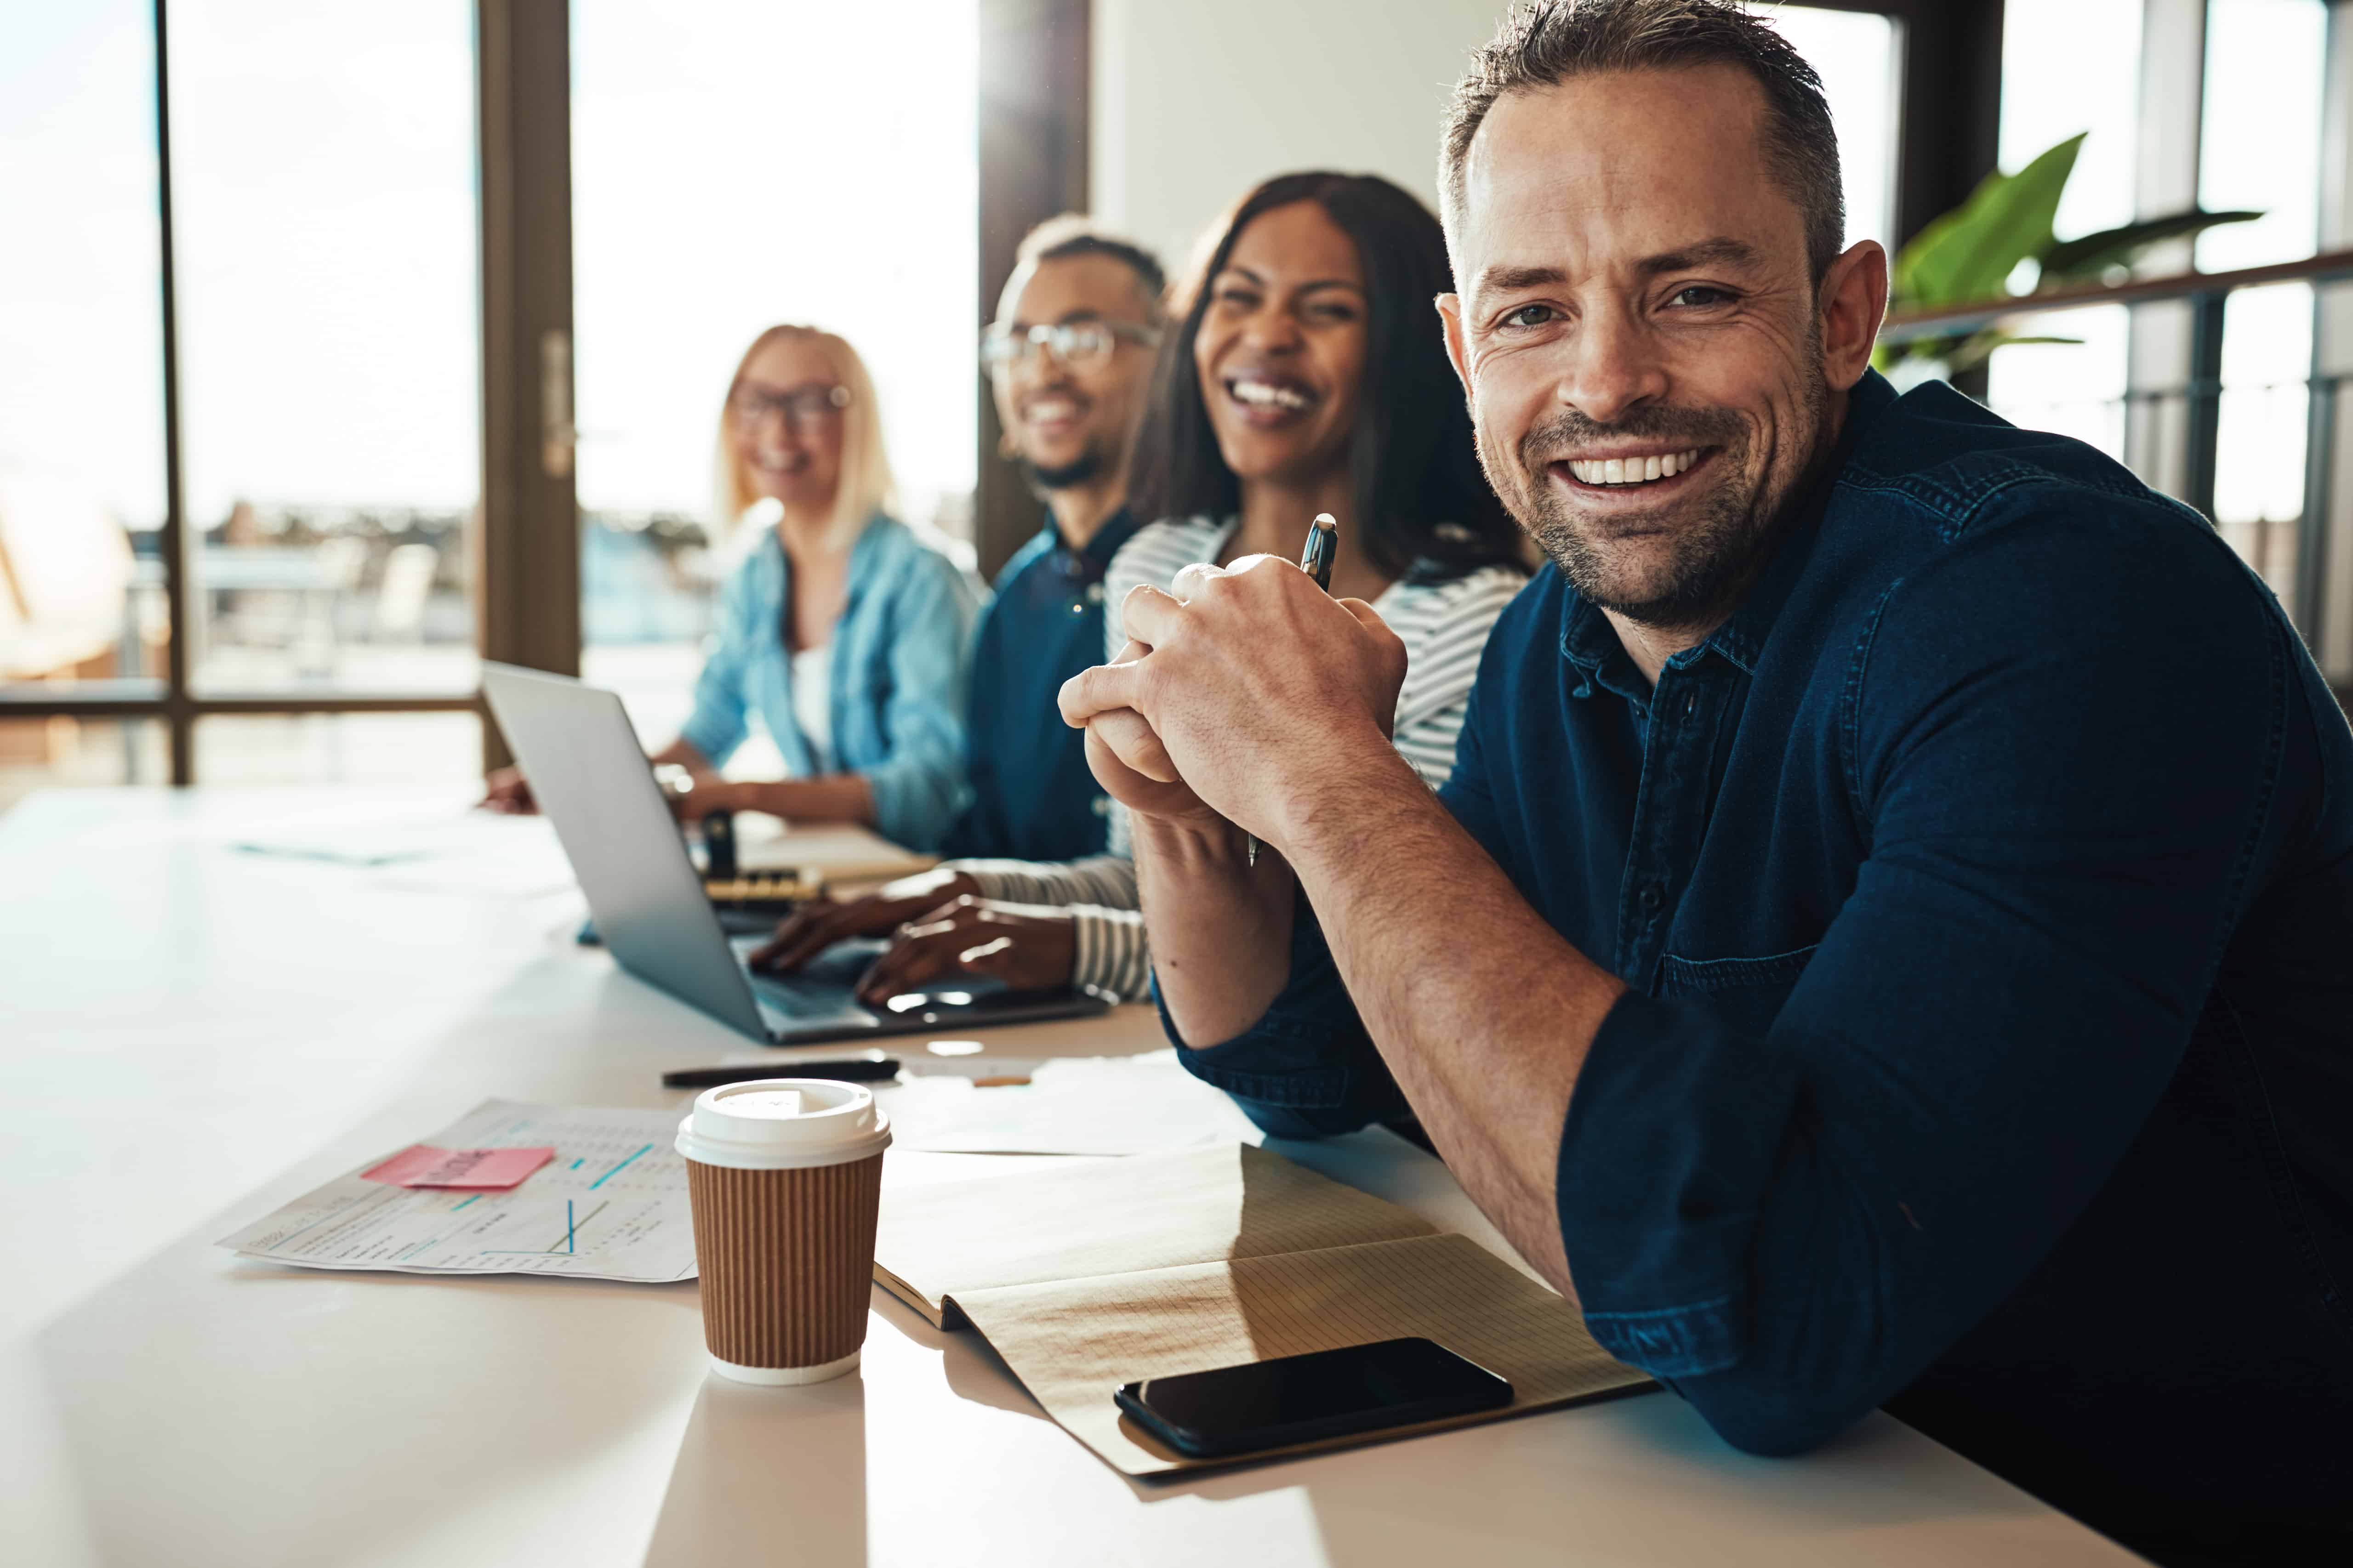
column 1197, row 100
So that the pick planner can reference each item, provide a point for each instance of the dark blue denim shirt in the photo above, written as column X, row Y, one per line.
column 1033, row 797
column 1984, row 888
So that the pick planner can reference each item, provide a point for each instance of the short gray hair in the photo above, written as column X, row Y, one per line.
column 1544, row 43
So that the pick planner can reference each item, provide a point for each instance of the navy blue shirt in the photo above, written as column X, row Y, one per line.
column 1033, row 797
column 1984, row 888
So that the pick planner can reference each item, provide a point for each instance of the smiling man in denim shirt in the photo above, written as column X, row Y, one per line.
column 1888, row 937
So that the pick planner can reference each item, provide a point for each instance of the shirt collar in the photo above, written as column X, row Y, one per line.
column 1589, row 640
column 1091, row 561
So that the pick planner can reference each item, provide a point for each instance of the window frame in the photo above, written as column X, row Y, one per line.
column 527, row 512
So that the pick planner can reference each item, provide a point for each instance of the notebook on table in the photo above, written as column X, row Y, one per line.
column 1086, row 1276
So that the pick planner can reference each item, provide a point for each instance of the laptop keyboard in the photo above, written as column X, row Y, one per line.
column 826, row 987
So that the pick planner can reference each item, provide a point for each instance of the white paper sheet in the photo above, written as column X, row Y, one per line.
column 1077, row 1105
column 611, row 1205
column 442, row 851
column 373, row 836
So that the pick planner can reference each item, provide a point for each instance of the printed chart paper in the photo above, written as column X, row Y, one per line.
column 423, row 1165
column 611, row 1205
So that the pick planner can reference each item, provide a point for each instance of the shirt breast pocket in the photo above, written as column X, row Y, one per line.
column 1747, row 993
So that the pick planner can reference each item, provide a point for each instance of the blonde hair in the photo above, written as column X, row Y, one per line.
column 867, row 486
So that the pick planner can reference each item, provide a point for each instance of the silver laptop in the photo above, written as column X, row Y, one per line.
column 591, row 779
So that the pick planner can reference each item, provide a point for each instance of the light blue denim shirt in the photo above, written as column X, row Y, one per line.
column 900, row 659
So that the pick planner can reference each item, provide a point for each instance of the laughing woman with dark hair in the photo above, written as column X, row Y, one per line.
column 1308, row 375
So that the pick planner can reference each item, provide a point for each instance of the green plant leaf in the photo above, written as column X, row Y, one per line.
column 1969, row 252
column 2083, row 260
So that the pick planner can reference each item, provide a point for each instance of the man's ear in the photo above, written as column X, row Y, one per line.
column 1853, row 302
column 1450, row 313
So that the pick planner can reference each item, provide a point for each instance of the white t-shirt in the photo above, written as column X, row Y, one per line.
column 813, row 702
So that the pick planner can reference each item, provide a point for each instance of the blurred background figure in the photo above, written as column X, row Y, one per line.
column 1302, row 378
column 841, row 631
column 1068, row 358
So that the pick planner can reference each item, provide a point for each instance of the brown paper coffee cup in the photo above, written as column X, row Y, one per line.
column 787, row 1258
column 786, row 1179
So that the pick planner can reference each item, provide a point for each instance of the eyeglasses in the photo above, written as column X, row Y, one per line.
column 1075, row 343
column 802, row 408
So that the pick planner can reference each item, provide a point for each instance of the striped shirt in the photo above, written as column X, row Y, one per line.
column 1444, row 625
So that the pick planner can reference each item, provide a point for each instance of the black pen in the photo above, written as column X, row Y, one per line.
column 1316, row 560
column 860, row 1069
column 1323, row 545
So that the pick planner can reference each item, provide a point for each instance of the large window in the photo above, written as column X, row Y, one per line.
column 316, row 291
column 1860, row 58
column 244, row 420
column 324, row 170
column 2259, row 149
column 2067, row 69
column 745, row 164
column 81, row 386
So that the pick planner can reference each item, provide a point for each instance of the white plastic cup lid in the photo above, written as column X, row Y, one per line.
column 784, row 1124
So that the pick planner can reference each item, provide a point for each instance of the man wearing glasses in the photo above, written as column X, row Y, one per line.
column 1068, row 358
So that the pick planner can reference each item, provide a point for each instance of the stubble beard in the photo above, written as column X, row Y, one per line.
column 1715, row 539
column 1079, row 471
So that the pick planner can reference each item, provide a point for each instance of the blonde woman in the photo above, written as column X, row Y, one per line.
column 843, row 630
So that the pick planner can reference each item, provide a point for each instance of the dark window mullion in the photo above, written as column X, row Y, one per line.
column 528, row 586
column 179, row 716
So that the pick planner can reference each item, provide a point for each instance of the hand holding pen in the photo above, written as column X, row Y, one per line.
column 1316, row 560
column 1239, row 692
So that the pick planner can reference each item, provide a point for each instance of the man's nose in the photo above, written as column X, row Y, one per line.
column 1614, row 367
column 1040, row 370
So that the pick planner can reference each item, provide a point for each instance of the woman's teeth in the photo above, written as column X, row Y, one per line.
column 1633, row 470
column 1270, row 394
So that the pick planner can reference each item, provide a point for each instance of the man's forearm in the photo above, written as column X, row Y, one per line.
column 836, row 797
column 1480, row 1010
column 1220, row 928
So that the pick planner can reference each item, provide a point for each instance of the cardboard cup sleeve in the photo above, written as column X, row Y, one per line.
column 786, row 1258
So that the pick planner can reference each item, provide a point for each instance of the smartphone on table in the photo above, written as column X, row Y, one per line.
column 1306, row 1398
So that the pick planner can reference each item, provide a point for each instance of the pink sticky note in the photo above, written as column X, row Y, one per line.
column 423, row 1165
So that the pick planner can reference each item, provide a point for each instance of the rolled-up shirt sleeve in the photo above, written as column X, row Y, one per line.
column 1308, row 1069
column 717, row 724
column 2064, row 790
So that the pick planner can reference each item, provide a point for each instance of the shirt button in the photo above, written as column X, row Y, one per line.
column 1650, row 898
column 1101, row 806
column 1691, row 705
column 1094, row 593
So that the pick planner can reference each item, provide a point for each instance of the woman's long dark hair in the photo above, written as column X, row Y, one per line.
column 1422, row 505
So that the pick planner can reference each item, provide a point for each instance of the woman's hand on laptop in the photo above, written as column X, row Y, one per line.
column 508, row 790
column 1029, row 947
column 818, row 925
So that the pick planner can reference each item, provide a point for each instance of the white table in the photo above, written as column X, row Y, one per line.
column 191, row 1036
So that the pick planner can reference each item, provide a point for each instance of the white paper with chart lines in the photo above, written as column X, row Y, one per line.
column 610, row 1206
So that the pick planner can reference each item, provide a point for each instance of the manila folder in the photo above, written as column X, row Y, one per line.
column 1104, row 1273
column 1116, row 1216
